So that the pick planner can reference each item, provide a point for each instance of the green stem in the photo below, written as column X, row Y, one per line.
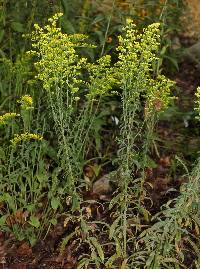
column 107, row 28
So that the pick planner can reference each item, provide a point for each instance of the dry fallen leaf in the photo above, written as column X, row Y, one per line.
column 165, row 161
column 3, row 253
column 24, row 249
column 18, row 217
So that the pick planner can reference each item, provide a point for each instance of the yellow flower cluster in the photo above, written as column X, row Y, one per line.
column 19, row 137
column 59, row 66
column 158, row 95
column 58, row 62
column 137, row 53
column 137, row 50
column 6, row 117
column 197, row 102
column 102, row 77
column 26, row 102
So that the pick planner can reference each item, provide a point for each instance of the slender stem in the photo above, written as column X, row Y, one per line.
column 107, row 28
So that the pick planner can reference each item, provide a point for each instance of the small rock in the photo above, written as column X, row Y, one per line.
column 103, row 185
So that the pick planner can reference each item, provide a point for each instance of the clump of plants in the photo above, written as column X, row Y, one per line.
column 72, row 102
column 42, row 169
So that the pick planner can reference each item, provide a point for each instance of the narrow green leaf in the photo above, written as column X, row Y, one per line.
column 98, row 247
column 113, row 227
column 83, row 263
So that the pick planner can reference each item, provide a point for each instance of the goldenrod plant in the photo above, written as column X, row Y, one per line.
column 164, row 242
column 137, row 53
column 60, row 70
column 21, row 188
column 157, row 99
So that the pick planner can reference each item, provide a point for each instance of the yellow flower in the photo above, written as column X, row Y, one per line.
column 19, row 137
column 77, row 98
column 26, row 102
column 7, row 116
